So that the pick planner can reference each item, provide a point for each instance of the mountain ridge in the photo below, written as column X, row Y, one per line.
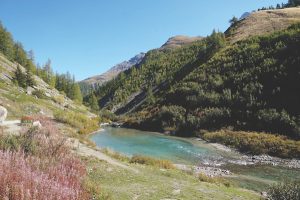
column 113, row 71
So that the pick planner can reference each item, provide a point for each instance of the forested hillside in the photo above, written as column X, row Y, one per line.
column 214, row 83
column 157, row 69
column 251, row 85
column 15, row 52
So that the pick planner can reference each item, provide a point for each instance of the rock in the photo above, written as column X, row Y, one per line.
column 176, row 192
column 37, row 124
column 3, row 114
column 29, row 90
column 48, row 95
column 264, row 194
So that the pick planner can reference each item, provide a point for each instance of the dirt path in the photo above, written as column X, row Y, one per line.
column 11, row 127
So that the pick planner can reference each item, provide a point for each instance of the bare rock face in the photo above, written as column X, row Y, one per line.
column 3, row 114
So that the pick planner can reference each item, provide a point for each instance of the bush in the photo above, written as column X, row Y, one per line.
column 284, row 191
column 37, row 164
column 279, row 122
column 256, row 143
column 83, row 123
column 40, row 94
column 29, row 177
column 204, row 178
column 144, row 160
column 171, row 116
column 211, row 117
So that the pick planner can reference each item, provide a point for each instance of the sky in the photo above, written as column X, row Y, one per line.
column 87, row 37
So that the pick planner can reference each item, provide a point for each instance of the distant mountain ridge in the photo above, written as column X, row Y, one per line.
column 179, row 40
column 114, row 71
column 173, row 42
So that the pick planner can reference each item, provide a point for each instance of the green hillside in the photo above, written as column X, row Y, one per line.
column 249, row 85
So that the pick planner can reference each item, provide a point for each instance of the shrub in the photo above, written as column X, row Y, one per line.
column 256, row 143
column 37, row 164
column 83, row 123
column 144, row 160
column 284, row 191
column 27, row 177
column 9, row 142
column 204, row 178
column 40, row 94
column 170, row 116
column 279, row 122
column 60, row 99
column 26, row 120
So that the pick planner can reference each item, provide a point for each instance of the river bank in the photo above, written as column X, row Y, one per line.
column 247, row 158
column 258, row 159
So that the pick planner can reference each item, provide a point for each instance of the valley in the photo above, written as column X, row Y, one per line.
column 198, row 117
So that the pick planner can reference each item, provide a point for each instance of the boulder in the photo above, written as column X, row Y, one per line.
column 37, row 124
column 3, row 114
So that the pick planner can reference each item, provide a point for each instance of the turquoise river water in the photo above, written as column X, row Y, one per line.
column 190, row 151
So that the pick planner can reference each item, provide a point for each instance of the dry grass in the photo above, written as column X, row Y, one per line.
column 264, row 22
column 256, row 143
column 165, row 164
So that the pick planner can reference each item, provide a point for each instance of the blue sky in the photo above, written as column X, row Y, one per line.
column 88, row 37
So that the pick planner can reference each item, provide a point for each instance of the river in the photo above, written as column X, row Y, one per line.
column 191, row 152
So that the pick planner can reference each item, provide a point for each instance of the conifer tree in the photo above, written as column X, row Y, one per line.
column 20, row 78
column 76, row 93
column 29, row 79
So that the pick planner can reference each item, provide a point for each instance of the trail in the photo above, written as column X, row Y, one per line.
column 11, row 127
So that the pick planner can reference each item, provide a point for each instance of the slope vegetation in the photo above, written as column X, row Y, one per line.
column 214, row 83
column 263, row 22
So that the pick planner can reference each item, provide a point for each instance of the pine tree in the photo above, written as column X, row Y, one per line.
column 92, row 102
column 20, row 77
column 29, row 79
column 293, row 3
column 76, row 93
column 6, row 43
column 233, row 20
column 20, row 55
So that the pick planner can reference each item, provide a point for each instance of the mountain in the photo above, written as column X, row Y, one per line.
column 263, row 22
column 114, row 71
column 178, row 41
column 217, row 82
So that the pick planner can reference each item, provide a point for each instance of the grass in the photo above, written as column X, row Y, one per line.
column 256, row 143
column 115, row 155
column 145, row 160
column 154, row 183
column 218, row 180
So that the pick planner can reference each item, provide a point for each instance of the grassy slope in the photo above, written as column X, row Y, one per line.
column 263, row 22
column 19, row 103
column 154, row 183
